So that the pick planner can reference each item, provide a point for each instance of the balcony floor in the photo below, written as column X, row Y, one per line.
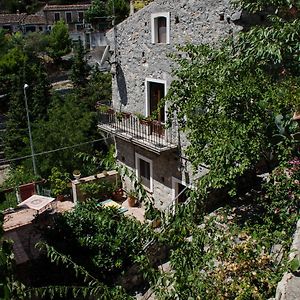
column 140, row 140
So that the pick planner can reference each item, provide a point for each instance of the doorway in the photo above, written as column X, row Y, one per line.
column 180, row 190
column 155, row 92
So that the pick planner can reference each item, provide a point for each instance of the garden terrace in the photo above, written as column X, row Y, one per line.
column 149, row 134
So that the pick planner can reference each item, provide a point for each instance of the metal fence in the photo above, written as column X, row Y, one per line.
column 150, row 131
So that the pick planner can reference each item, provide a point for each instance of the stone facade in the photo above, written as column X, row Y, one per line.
column 139, row 60
column 23, row 23
column 73, row 15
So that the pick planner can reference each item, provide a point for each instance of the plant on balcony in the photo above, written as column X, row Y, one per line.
column 153, row 214
column 142, row 119
column 137, row 185
column 132, row 196
column 119, row 116
column 102, row 108
column 125, row 115
column 76, row 174
column 101, row 190
column 118, row 192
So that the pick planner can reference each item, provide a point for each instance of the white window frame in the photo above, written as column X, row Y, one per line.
column 154, row 27
column 137, row 158
column 147, row 94
column 68, row 12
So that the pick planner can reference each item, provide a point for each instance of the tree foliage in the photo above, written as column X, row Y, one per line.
column 102, row 240
column 69, row 123
column 10, row 288
column 226, row 100
column 59, row 41
column 80, row 68
column 106, row 10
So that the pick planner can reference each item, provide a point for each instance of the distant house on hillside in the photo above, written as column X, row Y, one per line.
column 142, row 76
column 73, row 15
column 23, row 23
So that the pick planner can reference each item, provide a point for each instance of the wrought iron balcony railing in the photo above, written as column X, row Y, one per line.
column 152, row 134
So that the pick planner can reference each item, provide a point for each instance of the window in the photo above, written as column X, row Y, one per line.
column 80, row 16
column 68, row 17
column 155, row 92
column 180, row 190
column 144, row 171
column 160, row 28
column 79, row 27
column 56, row 16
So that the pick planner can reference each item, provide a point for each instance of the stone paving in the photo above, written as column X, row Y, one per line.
column 25, row 216
column 136, row 212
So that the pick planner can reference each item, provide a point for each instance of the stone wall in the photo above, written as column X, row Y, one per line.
column 164, row 167
column 136, row 59
column 289, row 287
column 191, row 21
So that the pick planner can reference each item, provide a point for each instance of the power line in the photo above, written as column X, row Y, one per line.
column 55, row 150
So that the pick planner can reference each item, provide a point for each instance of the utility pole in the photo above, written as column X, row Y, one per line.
column 29, row 130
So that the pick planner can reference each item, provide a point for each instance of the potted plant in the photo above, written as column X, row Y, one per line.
column 76, row 174
column 119, row 116
column 103, row 108
column 142, row 119
column 101, row 190
column 125, row 115
column 117, row 194
column 153, row 214
column 132, row 197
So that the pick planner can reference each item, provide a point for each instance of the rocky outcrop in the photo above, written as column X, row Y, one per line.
column 289, row 287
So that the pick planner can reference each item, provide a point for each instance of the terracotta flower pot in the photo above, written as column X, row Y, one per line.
column 131, row 201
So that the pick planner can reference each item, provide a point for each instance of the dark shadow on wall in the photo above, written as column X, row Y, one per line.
column 121, row 83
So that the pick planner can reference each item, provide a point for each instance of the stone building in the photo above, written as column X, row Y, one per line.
column 142, row 76
column 23, row 23
column 73, row 16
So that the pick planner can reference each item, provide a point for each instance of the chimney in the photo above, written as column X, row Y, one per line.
column 131, row 7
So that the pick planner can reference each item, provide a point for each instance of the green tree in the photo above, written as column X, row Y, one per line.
column 107, row 9
column 40, row 93
column 59, row 41
column 102, row 241
column 121, row 8
column 97, row 9
column 69, row 123
column 227, row 100
column 16, row 134
column 80, row 68
column 98, row 89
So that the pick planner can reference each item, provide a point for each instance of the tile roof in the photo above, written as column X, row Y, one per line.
column 34, row 19
column 23, row 19
column 66, row 7
column 11, row 18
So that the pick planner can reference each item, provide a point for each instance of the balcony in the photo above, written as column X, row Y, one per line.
column 151, row 135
